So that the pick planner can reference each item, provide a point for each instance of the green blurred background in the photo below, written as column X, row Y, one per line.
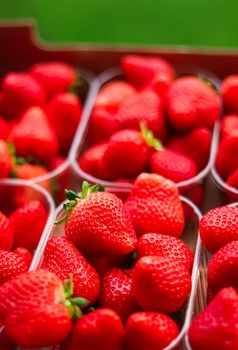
column 209, row 23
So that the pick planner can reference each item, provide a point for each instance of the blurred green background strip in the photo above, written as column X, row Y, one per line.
column 209, row 23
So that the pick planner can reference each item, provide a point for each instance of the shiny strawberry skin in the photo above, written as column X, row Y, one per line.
column 140, row 70
column 233, row 181
column 6, row 162
column 55, row 77
column 116, row 293
column 62, row 258
column 28, row 222
column 226, row 163
column 11, row 265
column 33, row 135
column 6, row 233
column 100, row 225
column 103, row 124
column 91, row 161
column 162, row 245
column 229, row 92
column 229, row 125
column 219, row 227
column 160, row 284
column 25, row 254
column 4, row 129
column 222, row 268
column 154, row 206
column 216, row 326
column 150, row 330
column 20, row 92
column 191, row 103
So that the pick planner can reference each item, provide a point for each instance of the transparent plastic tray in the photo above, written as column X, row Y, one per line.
column 190, row 236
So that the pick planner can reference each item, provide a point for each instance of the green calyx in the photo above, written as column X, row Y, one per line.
column 74, row 198
column 209, row 83
column 149, row 138
column 74, row 88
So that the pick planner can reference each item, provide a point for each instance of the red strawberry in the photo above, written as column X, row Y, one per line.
column 64, row 113
column 219, row 227
column 140, row 70
column 226, row 163
column 162, row 245
column 4, row 129
column 99, row 224
column 222, row 268
column 5, row 342
column 160, row 84
column 154, row 206
column 63, row 178
column 113, row 93
column 116, row 293
column 20, row 91
column 28, row 222
column 229, row 125
column 150, row 331
column 32, row 309
column 192, row 103
column 229, row 91
column 55, row 77
column 25, row 254
column 233, row 179
column 216, row 326
column 103, row 125
column 101, row 329
column 62, row 258
column 33, row 135
column 91, row 161
column 6, row 161
column 11, row 265
column 160, row 284
column 6, row 233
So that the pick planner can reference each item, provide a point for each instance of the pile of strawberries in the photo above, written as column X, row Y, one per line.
column 152, row 121
column 117, row 279
column 38, row 120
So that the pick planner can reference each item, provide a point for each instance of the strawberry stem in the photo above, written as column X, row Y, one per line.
column 149, row 138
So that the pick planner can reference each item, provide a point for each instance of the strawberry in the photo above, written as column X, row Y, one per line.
column 140, row 70
column 112, row 94
column 216, row 326
column 11, row 265
column 55, row 77
column 20, row 92
column 160, row 284
column 28, row 222
column 4, row 129
column 33, row 135
column 150, row 331
column 229, row 125
column 162, row 245
column 62, row 180
column 222, row 268
column 64, row 113
column 103, row 124
column 6, row 233
column 91, row 162
column 192, row 103
column 155, row 206
column 98, row 223
column 226, row 163
column 219, row 227
column 5, row 343
column 62, row 258
column 6, row 161
column 229, row 92
column 160, row 84
column 116, row 292
column 233, row 179
column 101, row 329
column 25, row 254
column 32, row 307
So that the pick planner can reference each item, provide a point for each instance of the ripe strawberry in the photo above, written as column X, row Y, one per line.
column 140, row 70
column 6, row 161
column 216, row 326
column 32, row 309
column 229, row 92
column 62, row 180
column 229, row 125
column 11, row 265
column 55, row 77
column 160, row 84
column 28, row 222
column 25, row 254
column 91, row 161
column 4, row 129
column 162, row 245
column 155, row 206
column 150, row 331
column 160, row 284
column 20, row 91
column 222, row 268
column 62, row 258
column 219, row 227
column 5, row 342
column 99, row 224
column 112, row 94
column 116, row 293
column 233, row 179
column 103, row 124
column 192, row 103
column 226, row 163
column 6, row 233
column 64, row 113
column 101, row 329
column 33, row 135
